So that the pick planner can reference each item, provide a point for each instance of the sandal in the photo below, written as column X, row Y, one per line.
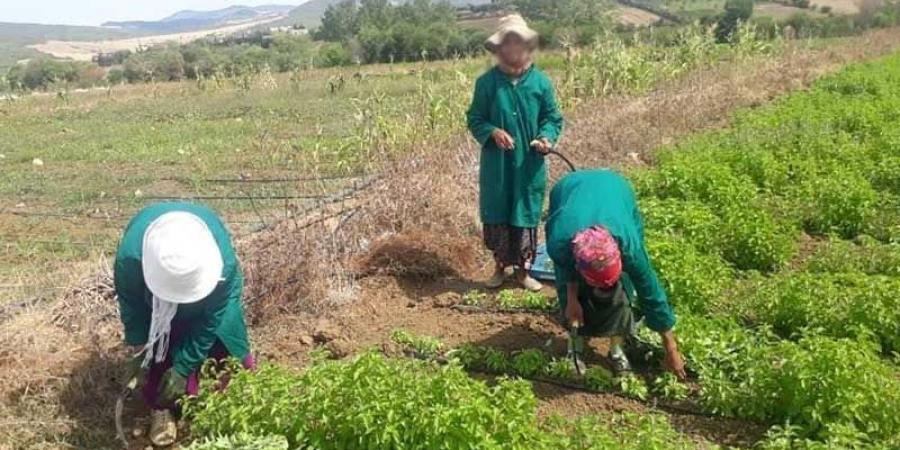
column 163, row 428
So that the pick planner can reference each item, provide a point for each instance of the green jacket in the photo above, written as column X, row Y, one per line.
column 602, row 197
column 218, row 316
column 512, row 183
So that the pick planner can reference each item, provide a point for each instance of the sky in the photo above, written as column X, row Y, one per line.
column 95, row 12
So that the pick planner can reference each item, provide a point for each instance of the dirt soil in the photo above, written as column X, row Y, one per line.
column 59, row 361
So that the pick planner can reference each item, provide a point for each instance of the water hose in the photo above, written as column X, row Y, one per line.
column 563, row 157
column 120, row 408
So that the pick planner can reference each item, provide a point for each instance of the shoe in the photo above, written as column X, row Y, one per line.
column 163, row 428
column 642, row 353
column 618, row 362
column 496, row 280
column 530, row 284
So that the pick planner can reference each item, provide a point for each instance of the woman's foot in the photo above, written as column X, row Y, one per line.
column 530, row 284
column 496, row 279
column 163, row 428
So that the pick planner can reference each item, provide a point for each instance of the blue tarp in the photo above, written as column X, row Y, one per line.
column 542, row 269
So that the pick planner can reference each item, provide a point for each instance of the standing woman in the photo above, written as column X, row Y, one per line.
column 179, row 287
column 515, row 118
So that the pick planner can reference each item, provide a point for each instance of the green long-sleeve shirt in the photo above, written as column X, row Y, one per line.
column 602, row 197
column 513, row 183
column 218, row 316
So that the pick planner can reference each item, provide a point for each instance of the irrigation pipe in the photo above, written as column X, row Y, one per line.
column 563, row 157
column 652, row 404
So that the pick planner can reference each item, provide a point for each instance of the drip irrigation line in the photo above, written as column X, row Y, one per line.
column 279, row 180
column 235, row 197
column 475, row 309
column 653, row 404
column 63, row 216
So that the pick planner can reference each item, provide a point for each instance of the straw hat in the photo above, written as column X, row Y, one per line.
column 181, row 259
column 515, row 24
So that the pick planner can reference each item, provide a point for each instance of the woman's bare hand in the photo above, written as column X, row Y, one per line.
column 542, row 145
column 574, row 312
column 673, row 362
column 503, row 139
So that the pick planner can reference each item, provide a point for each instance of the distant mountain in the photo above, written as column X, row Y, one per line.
column 231, row 13
column 311, row 12
column 189, row 20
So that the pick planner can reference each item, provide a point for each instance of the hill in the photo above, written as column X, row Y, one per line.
column 310, row 13
column 190, row 20
column 15, row 38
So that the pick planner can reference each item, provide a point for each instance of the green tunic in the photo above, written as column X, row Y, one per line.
column 512, row 183
column 602, row 197
column 218, row 316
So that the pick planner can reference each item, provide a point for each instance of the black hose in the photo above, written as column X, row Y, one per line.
column 563, row 157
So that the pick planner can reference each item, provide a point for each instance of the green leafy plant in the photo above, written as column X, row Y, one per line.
column 633, row 386
column 496, row 361
column 240, row 441
column 529, row 363
column 598, row 378
column 560, row 369
column 423, row 345
column 474, row 297
column 516, row 299
column 669, row 387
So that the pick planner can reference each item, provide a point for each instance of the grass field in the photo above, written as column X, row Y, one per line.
column 106, row 152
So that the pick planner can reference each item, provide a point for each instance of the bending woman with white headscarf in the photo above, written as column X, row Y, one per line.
column 179, row 287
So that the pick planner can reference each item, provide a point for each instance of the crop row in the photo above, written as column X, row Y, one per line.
column 778, row 240
column 370, row 401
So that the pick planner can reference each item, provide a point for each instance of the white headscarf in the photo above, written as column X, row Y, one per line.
column 182, row 264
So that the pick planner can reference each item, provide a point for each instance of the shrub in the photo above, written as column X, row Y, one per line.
column 841, row 202
column 753, row 240
column 816, row 383
column 693, row 220
column 374, row 402
column 868, row 256
column 841, row 305
column 371, row 402
column 693, row 280
column 240, row 442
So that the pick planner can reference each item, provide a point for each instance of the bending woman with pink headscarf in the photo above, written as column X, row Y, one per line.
column 595, row 237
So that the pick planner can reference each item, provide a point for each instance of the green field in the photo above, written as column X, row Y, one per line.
column 107, row 152
column 103, row 153
column 777, row 239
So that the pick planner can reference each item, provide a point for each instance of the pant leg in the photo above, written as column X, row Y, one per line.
column 511, row 246
column 607, row 314
column 153, row 381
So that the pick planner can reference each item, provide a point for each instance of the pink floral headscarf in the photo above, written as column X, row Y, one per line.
column 597, row 257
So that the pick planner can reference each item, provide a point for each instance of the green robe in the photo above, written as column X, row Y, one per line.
column 218, row 316
column 602, row 197
column 512, row 183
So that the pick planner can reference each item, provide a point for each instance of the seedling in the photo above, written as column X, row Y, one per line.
column 426, row 346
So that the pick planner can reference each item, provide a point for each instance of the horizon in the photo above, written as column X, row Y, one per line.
column 96, row 12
